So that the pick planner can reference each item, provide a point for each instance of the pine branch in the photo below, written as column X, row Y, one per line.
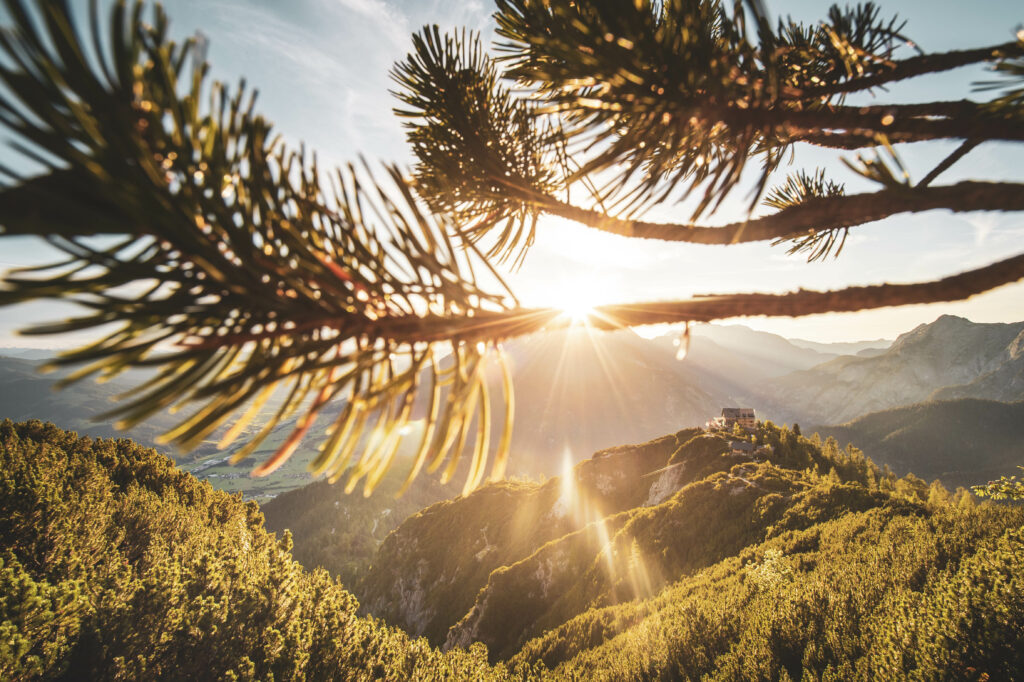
column 236, row 268
column 472, row 136
column 705, row 309
column 877, row 120
column 815, row 214
column 465, row 165
column 851, row 141
column 947, row 163
column 674, row 96
column 215, row 251
column 910, row 123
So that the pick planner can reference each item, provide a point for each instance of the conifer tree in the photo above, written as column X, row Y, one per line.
column 236, row 267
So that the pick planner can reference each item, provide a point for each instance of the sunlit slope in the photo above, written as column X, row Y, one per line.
column 515, row 558
column 428, row 571
column 904, row 590
column 692, row 561
column 116, row 566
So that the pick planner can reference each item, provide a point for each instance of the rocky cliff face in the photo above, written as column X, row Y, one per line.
column 428, row 572
column 1005, row 382
column 950, row 352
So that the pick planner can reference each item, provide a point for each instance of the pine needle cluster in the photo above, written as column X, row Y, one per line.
column 245, row 275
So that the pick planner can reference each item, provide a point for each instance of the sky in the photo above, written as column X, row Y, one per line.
column 321, row 67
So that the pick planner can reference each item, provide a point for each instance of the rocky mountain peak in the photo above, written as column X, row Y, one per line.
column 1016, row 347
column 949, row 352
column 940, row 330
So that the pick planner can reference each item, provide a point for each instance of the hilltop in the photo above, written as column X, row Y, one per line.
column 581, row 571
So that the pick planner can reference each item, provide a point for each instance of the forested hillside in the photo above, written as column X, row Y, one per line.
column 340, row 532
column 674, row 559
column 116, row 566
column 679, row 558
column 30, row 394
column 960, row 442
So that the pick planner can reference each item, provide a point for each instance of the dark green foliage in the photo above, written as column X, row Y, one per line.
column 117, row 566
column 427, row 573
column 340, row 532
column 39, row 621
column 960, row 442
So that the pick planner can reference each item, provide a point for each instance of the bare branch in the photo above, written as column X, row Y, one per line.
column 947, row 162
column 812, row 215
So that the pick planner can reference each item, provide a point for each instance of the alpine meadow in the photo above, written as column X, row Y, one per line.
column 681, row 339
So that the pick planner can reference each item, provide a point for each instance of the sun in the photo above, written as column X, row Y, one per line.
column 577, row 310
column 576, row 301
column 573, row 270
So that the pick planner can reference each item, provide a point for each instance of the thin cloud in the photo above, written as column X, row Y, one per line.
column 391, row 24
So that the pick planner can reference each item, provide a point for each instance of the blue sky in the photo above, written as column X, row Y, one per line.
column 321, row 67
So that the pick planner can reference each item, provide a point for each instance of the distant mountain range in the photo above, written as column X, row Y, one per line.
column 951, row 357
column 27, row 394
column 844, row 347
column 579, row 391
column 583, row 390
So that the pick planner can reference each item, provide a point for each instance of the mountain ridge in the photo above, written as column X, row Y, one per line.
column 948, row 352
column 966, row 441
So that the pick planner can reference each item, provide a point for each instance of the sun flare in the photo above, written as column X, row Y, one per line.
column 576, row 309
column 577, row 299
